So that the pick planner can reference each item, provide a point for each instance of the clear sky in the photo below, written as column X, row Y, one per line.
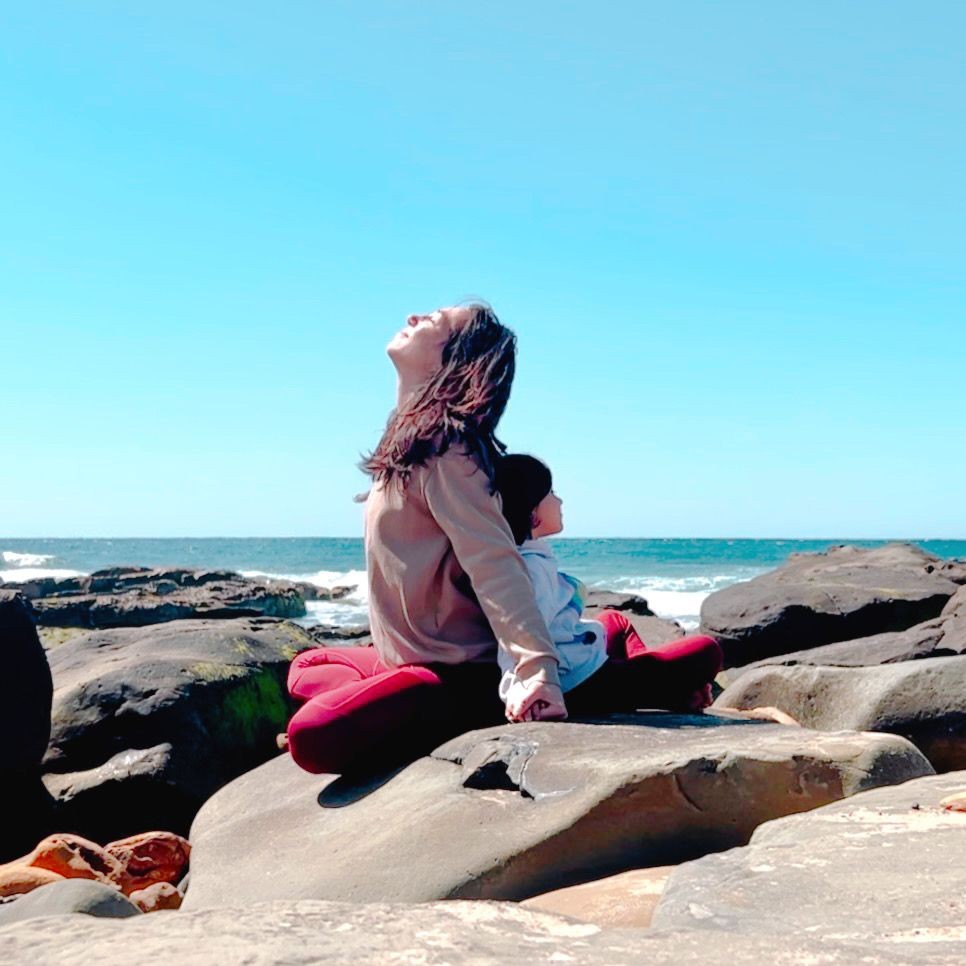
column 730, row 237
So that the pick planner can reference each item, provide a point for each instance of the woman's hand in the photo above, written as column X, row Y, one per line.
column 540, row 702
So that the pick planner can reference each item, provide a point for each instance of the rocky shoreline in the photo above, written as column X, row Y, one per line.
column 150, row 699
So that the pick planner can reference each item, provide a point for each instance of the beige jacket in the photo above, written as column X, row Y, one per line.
column 446, row 581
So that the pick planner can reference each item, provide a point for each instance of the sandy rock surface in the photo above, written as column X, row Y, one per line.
column 883, row 869
column 430, row 934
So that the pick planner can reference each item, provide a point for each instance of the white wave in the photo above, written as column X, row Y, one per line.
column 341, row 613
column 35, row 573
column 25, row 559
column 356, row 579
column 348, row 610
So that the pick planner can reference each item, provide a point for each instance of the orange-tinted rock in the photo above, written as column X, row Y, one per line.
column 161, row 895
column 148, row 858
column 17, row 878
column 74, row 857
column 624, row 901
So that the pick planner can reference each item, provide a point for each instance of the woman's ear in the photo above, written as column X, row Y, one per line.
column 534, row 520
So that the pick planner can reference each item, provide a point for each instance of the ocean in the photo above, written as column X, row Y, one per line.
column 673, row 575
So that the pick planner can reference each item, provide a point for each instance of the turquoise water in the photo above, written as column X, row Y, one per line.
column 674, row 575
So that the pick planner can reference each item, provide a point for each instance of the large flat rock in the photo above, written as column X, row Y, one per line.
column 840, row 595
column 430, row 934
column 148, row 722
column 136, row 596
column 514, row 811
column 924, row 701
column 883, row 869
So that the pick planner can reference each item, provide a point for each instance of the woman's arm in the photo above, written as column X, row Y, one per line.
column 457, row 494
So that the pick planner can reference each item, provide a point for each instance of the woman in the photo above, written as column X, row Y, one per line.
column 447, row 585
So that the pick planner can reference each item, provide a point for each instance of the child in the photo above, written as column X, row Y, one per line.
column 604, row 664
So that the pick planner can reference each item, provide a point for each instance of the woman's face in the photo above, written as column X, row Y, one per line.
column 417, row 350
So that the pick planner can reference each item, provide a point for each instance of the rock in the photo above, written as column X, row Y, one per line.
column 60, row 899
column 295, row 933
column 148, row 722
column 842, row 594
column 150, row 859
column 138, row 596
column 924, row 701
column 25, row 720
column 627, row 900
column 161, row 895
column 514, row 811
column 944, row 636
column 629, row 603
column 331, row 635
column 73, row 857
column 129, row 865
column 882, row 870
column 16, row 879
column 311, row 591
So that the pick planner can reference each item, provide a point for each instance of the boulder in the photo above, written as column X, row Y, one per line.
column 517, row 810
column 138, row 596
column 150, row 859
column 924, row 701
column 882, row 870
column 625, row 900
column 61, row 899
column 629, row 603
column 341, row 934
column 944, row 636
column 25, row 721
column 149, row 722
column 842, row 594
column 130, row 865
column 161, row 895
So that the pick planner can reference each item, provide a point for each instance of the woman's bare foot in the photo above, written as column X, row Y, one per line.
column 282, row 741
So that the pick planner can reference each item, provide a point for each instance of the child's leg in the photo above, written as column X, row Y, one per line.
column 623, row 641
column 672, row 676
column 325, row 668
column 678, row 674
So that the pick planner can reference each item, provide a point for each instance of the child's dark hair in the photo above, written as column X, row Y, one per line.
column 522, row 481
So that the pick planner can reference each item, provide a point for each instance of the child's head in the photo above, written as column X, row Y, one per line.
column 529, row 504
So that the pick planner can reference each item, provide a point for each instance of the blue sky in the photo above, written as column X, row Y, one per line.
column 729, row 237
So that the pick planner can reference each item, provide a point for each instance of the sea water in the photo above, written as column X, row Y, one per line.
column 674, row 576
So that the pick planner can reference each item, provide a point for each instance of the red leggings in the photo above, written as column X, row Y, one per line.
column 357, row 710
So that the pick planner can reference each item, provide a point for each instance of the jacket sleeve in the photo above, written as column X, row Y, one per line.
column 458, row 496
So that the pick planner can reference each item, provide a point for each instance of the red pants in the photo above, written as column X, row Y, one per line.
column 358, row 711
column 636, row 676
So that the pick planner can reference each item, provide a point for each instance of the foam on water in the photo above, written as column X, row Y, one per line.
column 351, row 609
column 15, row 559
column 35, row 573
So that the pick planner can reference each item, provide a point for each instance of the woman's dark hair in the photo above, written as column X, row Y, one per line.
column 522, row 482
column 460, row 404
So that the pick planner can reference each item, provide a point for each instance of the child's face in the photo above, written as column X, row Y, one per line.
column 548, row 516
